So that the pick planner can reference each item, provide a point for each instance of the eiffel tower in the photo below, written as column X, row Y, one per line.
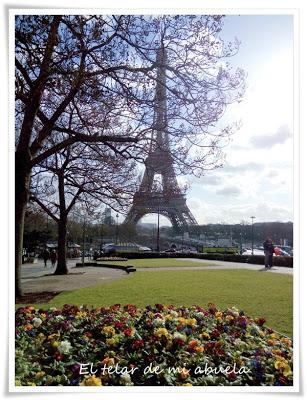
column 167, row 200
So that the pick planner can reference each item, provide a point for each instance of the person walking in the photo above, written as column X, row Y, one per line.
column 46, row 256
column 53, row 258
column 268, row 253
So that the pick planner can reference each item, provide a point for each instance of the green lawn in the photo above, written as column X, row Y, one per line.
column 157, row 262
column 257, row 293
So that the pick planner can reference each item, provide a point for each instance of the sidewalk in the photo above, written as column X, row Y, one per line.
column 36, row 278
column 234, row 265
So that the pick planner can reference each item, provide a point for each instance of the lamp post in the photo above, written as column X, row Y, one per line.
column 101, row 239
column 116, row 237
column 252, row 218
column 83, row 241
column 158, row 230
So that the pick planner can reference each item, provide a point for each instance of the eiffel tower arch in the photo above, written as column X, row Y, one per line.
column 168, row 200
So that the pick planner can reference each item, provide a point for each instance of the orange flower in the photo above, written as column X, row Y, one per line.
column 28, row 327
column 184, row 373
column 108, row 361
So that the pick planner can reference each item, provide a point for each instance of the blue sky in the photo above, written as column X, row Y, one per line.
column 257, row 177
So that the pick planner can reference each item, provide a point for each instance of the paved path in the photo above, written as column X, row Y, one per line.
column 227, row 265
column 36, row 278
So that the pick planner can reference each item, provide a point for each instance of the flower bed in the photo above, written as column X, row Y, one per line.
column 160, row 345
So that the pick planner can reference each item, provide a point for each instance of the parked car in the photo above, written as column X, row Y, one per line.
column 280, row 252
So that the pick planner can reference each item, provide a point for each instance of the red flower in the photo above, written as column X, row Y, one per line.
column 118, row 325
column 58, row 356
column 260, row 321
column 128, row 331
column 115, row 307
column 215, row 333
column 138, row 343
column 179, row 341
column 159, row 307
column 232, row 376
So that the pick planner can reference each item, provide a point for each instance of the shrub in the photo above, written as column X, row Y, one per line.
column 250, row 259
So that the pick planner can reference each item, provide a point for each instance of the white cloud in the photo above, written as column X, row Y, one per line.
column 229, row 191
column 282, row 134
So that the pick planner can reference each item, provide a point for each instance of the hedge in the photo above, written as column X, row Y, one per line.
column 250, row 259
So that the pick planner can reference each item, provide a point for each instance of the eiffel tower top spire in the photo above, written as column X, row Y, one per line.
column 169, row 201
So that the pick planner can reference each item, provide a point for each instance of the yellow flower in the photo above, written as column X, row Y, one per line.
column 55, row 343
column 229, row 318
column 287, row 371
column 199, row 349
column 191, row 322
column 17, row 382
column 187, row 384
column 182, row 320
column 281, row 364
column 41, row 337
column 218, row 314
column 205, row 335
column 113, row 341
column 91, row 381
column 43, row 316
column 40, row 374
column 53, row 337
column 108, row 330
column 81, row 314
column 274, row 335
column 161, row 332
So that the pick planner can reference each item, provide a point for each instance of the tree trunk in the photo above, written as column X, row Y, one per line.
column 22, row 180
column 61, row 268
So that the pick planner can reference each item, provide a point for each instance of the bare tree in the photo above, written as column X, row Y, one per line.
column 105, row 66
column 80, row 174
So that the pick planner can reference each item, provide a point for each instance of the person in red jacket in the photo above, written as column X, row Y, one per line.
column 268, row 253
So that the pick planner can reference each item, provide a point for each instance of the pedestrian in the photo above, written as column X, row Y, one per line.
column 53, row 257
column 46, row 256
column 268, row 253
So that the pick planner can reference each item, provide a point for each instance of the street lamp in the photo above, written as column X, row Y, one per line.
column 252, row 218
column 158, row 231
column 116, row 237
column 83, row 241
column 101, row 239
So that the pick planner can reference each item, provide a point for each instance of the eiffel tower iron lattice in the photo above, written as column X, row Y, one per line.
column 167, row 200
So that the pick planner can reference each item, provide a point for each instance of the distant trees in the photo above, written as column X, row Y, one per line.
column 90, row 80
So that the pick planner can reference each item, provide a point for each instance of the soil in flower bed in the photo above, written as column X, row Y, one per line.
column 161, row 345
column 38, row 298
